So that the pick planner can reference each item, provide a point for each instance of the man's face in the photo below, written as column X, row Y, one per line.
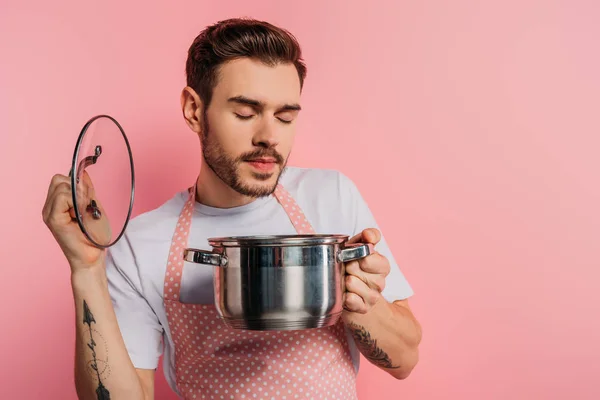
column 249, row 127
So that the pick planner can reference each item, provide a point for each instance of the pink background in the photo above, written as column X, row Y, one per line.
column 472, row 128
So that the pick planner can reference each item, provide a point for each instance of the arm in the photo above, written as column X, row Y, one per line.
column 103, row 369
column 376, row 307
column 388, row 336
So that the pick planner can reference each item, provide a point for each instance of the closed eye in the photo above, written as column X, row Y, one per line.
column 287, row 117
column 243, row 117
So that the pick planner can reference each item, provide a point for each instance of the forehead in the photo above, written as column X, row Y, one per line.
column 272, row 85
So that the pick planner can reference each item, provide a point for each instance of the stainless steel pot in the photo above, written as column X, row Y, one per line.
column 279, row 282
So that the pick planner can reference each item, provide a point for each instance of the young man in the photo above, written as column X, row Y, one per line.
column 243, row 98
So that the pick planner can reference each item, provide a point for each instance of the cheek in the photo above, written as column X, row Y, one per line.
column 234, row 136
column 286, row 142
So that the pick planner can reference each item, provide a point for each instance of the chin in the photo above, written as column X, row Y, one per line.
column 262, row 185
column 256, row 185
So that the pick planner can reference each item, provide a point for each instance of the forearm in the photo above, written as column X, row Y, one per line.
column 388, row 336
column 102, row 363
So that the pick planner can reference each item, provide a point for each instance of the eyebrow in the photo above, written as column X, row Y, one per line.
column 259, row 104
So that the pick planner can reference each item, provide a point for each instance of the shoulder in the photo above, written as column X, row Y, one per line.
column 152, row 223
column 147, row 231
column 328, row 197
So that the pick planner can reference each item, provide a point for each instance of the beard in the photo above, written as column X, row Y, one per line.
column 228, row 168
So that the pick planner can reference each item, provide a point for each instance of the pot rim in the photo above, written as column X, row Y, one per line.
column 278, row 240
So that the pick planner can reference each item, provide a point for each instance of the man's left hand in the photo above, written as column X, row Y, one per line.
column 365, row 278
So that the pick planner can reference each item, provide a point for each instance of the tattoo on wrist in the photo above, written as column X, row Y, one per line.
column 369, row 347
column 88, row 318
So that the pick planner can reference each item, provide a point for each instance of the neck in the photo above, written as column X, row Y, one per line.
column 213, row 192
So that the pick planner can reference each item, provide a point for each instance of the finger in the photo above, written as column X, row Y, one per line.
column 54, row 183
column 90, row 191
column 360, row 288
column 83, row 199
column 355, row 239
column 375, row 281
column 85, row 192
column 57, row 186
column 370, row 235
column 375, row 264
column 91, row 195
column 60, row 214
column 354, row 303
column 87, row 181
column 353, row 268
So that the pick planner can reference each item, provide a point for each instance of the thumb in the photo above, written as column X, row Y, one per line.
column 370, row 235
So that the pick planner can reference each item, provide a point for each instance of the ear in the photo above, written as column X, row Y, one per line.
column 192, row 109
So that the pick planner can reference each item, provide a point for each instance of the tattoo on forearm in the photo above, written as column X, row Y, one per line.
column 369, row 347
column 101, row 392
column 101, row 361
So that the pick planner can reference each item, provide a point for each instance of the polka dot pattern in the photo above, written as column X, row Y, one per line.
column 213, row 361
column 293, row 211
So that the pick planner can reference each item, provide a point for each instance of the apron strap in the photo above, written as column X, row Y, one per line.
column 293, row 211
column 179, row 242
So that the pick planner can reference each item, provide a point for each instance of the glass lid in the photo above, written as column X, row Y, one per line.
column 103, row 177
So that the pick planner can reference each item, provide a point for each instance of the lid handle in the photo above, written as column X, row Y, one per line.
column 87, row 161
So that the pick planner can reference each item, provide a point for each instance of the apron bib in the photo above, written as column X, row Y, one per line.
column 213, row 361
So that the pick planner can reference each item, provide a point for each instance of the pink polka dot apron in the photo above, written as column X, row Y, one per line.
column 213, row 361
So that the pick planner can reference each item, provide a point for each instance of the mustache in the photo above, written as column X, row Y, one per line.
column 262, row 153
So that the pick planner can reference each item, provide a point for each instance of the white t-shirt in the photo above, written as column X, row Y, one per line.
column 136, row 264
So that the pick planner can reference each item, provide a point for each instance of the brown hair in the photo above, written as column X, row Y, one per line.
column 236, row 38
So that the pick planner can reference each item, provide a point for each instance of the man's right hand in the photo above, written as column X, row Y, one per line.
column 59, row 215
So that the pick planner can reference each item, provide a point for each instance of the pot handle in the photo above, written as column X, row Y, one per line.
column 198, row 256
column 356, row 251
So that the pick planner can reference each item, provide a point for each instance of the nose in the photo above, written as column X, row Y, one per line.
column 266, row 135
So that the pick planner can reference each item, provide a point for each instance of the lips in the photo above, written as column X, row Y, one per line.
column 263, row 160
column 263, row 164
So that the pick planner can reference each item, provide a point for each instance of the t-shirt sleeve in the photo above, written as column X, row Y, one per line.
column 138, row 323
column 396, row 284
